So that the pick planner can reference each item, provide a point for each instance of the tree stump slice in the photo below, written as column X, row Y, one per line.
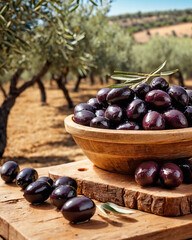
column 123, row 190
column 20, row 220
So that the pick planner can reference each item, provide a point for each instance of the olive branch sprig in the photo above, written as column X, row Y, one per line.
column 132, row 79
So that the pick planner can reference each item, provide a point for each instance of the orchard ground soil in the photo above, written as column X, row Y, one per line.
column 36, row 133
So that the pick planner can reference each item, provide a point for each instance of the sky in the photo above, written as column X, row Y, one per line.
column 132, row 6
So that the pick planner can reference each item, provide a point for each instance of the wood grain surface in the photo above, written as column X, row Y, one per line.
column 19, row 220
column 123, row 150
column 123, row 190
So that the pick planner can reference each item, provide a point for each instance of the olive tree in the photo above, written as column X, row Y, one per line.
column 177, row 51
column 108, row 44
column 22, row 41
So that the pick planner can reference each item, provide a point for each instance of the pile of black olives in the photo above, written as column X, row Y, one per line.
column 171, row 175
column 149, row 107
column 62, row 192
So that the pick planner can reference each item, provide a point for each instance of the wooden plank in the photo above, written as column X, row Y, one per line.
column 123, row 190
column 23, row 221
column 11, row 194
column 44, row 222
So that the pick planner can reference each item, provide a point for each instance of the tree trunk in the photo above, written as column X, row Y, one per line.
column 65, row 91
column 65, row 74
column 4, row 113
column 107, row 79
column 14, row 80
column 92, row 79
column 171, row 78
column 3, row 130
column 65, row 79
column 180, row 78
column 42, row 90
column 3, row 91
column 51, row 82
column 77, row 84
column 101, row 80
column 34, row 79
column 9, row 102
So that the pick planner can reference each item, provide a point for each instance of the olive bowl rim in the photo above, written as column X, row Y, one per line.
column 127, row 136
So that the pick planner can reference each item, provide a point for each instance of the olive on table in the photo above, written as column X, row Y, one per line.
column 46, row 179
column 186, row 167
column 65, row 181
column 61, row 194
column 170, row 175
column 146, row 173
column 78, row 209
column 9, row 171
column 25, row 177
column 37, row 192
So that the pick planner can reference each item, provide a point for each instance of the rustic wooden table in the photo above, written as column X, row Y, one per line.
column 21, row 221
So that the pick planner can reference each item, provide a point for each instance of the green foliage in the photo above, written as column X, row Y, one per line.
column 35, row 29
column 177, row 51
column 107, row 43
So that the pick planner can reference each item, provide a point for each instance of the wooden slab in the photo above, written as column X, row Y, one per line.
column 19, row 220
column 123, row 190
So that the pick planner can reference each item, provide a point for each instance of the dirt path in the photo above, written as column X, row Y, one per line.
column 36, row 134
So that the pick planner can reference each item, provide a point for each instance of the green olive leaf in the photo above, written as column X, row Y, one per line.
column 159, row 68
column 122, row 210
column 132, row 79
column 111, row 207
column 102, row 210
column 167, row 73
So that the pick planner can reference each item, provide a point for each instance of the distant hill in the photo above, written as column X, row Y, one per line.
column 178, row 30
column 143, row 21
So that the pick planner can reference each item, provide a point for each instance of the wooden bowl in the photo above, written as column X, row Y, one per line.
column 123, row 150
